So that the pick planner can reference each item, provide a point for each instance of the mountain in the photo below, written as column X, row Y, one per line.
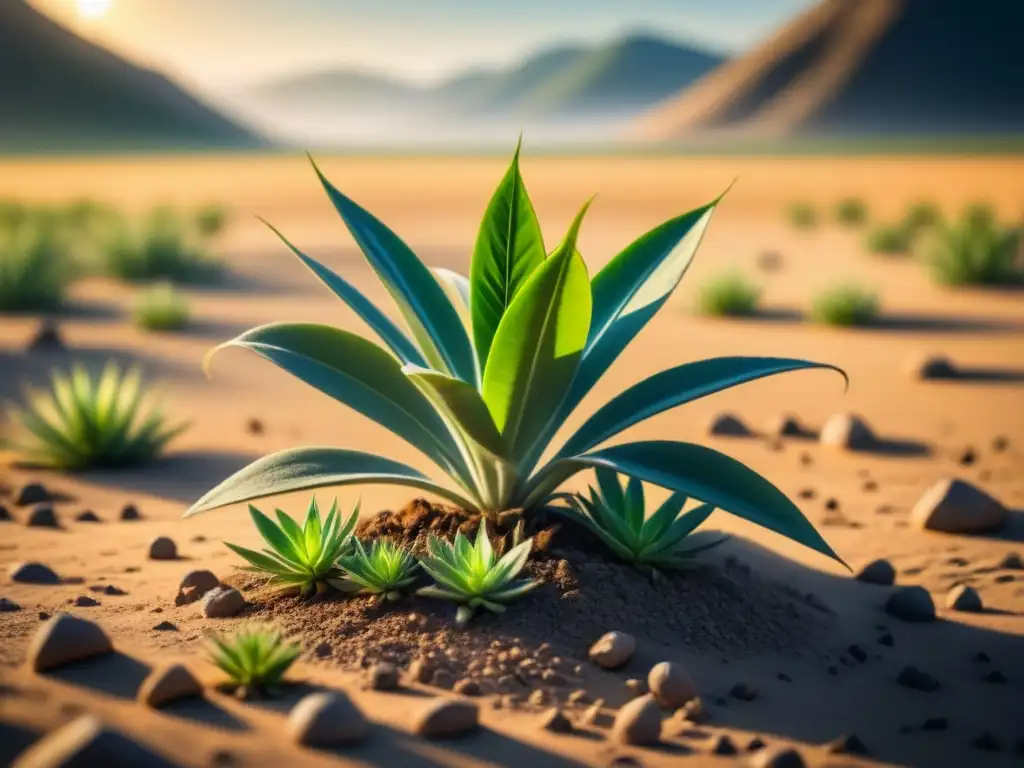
column 864, row 67
column 61, row 92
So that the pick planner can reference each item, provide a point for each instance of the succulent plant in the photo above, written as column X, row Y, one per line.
column 35, row 271
column 255, row 658
column 383, row 568
column 161, row 308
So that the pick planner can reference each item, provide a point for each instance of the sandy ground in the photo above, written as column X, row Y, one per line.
column 435, row 205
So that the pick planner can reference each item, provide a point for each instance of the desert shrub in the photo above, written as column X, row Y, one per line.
column 921, row 216
column 255, row 658
column 163, row 246
column 975, row 251
column 845, row 304
column 161, row 308
column 35, row 271
column 211, row 220
column 803, row 216
column 851, row 212
column 889, row 239
column 729, row 295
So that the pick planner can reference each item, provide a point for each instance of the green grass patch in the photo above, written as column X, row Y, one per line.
column 161, row 308
column 889, row 240
column 730, row 295
column 803, row 216
column 976, row 250
column 35, row 271
column 851, row 212
column 165, row 245
column 845, row 305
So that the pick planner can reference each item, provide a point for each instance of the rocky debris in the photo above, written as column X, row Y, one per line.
column 848, row 431
column 87, row 516
column 32, row 493
column 163, row 548
column 932, row 368
column 995, row 676
column 964, row 598
column 986, row 742
column 849, row 744
column 968, row 457
column 46, row 338
column 956, row 506
column 130, row 513
column 887, row 640
column 831, row 504
column 5, row 515
column 638, row 722
column 869, row 486
column 421, row 670
column 917, row 680
column 166, row 684
column 444, row 717
column 727, row 425
column 194, row 585
column 254, row 426
column 1011, row 562
column 467, row 687
column 756, row 744
column 777, row 757
column 109, row 590
column 613, row 650
column 1000, row 443
column 222, row 602
column 578, row 698
column 636, row 687
column 33, row 573
column 744, row 692
column 912, row 604
column 671, row 684
column 383, row 676
column 84, row 601
column 42, row 516
column 786, row 425
column 878, row 571
column 64, row 639
column 538, row 698
column 85, row 741
column 723, row 745
column 327, row 720
column 555, row 721
column 442, row 678
column 166, row 626
column 595, row 716
column 8, row 606
column 857, row 653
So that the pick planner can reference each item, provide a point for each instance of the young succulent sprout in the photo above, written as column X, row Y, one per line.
column 255, row 658
column 472, row 575
column 301, row 558
column 91, row 422
column 383, row 569
column 617, row 514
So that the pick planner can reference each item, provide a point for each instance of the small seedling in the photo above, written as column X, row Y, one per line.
column 803, row 216
column 255, row 658
column 845, row 305
column 383, row 569
column 851, row 212
column 304, row 558
column 889, row 239
column 730, row 295
column 472, row 576
column 161, row 308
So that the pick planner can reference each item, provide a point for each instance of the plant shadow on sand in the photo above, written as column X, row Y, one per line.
column 179, row 476
column 15, row 739
column 910, row 322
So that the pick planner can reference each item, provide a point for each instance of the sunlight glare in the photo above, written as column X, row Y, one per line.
column 93, row 9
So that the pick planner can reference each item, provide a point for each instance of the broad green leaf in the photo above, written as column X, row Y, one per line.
column 389, row 333
column 423, row 303
column 674, row 387
column 303, row 469
column 509, row 247
column 457, row 288
column 537, row 346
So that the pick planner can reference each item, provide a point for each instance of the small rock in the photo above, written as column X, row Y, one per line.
column 638, row 722
column 932, row 368
column 786, row 425
column 784, row 677
column 847, row 745
column 744, row 692
column 537, row 698
column 442, row 678
column 1011, row 562
column 194, row 586
column 981, row 657
column 445, row 717
column 869, row 486
column 848, row 431
column 859, row 654
column 723, row 745
column 1000, row 443
column 130, row 512
column 326, row 720
column 807, row 493
column 113, row 591
column 87, row 742
column 955, row 506
column 912, row 604
column 964, row 598
column 831, row 504
column 987, row 743
column 84, row 601
column 887, row 640
column 595, row 715
column 163, row 548
column 5, row 515
column 42, row 516
column 421, row 670
column 777, row 757
column 64, row 639
column 166, row 684
column 671, row 684
column 383, row 676
column 918, row 680
column 165, row 626
column 695, row 712
column 995, row 676
column 254, row 426
column 756, row 744
column 968, row 457
column 727, row 425
column 33, row 573
column 935, row 724
column 578, row 697
column 467, row 687
column 88, row 516
column 223, row 602
column 32, row 493
column 8, row 606
column 552, row 678
column 556, row 722
column 613, row 649
column 636, row 687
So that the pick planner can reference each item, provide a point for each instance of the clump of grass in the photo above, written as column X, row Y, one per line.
column 921, row 216
column 851, row 212
column 84, row 422
column 35, row 271
column 211, row 220
column 12, row 214
column 165, row 246
column 803, row 216
column 730, row 295
column 979, row 214
column 255, row 658
column 161, row 308
column 889, row 239
column 975, row 251
column 845, row 304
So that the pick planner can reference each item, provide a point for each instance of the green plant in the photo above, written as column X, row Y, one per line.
column 483, row 385
column 473, row 576
column 382, row 569
column 161, row 308
column 889, row 239
column 803, row 216
column 303, row 559
column 616, row 512
column 730, row 295
column 85, row 422
column 161, row 247
column 210, row 220
column 920, row 216
column 845, row 304
column 975, row 251
column 851, row 212
column 12, row 214
column 255, row 658
column 35, row 272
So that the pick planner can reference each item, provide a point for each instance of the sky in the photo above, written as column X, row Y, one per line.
column 229, row 43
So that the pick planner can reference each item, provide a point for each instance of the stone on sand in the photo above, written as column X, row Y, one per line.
column 723, row 745
column 849, row 431
column 194, row 585
column 964, row 598
column 638, row 722
column 444, row 717
column 728, row 425
column 931, row 367
column 64, row 639
column 42, row 516
column 5, row 514
column 163, row 548
column 671, row 684
column 31, row 493
column 785, row 425
column 849, row 744
column 777, row 757
column 912, row 604
column 555, row 721
column 87, row 742
column 168, row 683
column 956, row 506
column 222, row 602
column 917, row 680
column 595, row 716
column 33, row 573
column 384, row 676
column 8, row 606
column 88, row 516
column 1011, row 562
column 613, row 650
column 130, row 513
column 327, row 720
column 878, row 572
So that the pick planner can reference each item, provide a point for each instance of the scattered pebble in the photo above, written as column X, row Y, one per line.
column 254, row 426
column 859, row 654
column 87, row 742
column 8, row 606
column 807, row 493
column 981, row 657
column 755, row 744
column 32, row 493
column 850, row 744
column 223, row 602
column 166, row 684
column 556, row 722
column 130, row 512
column 869, row 486
column 964, row 598
column 194, row 585
column 327, row 720
column 887, row 640
column 33, row 573
column 912, row 604
column 636, row 687
column 695, row 712
column 442, row 678
column 88, row 516
column 638, row 722
column 1000, row 443
column 595, row 715
column 84, row 601
column 955, row 506
column 968, row 457
column 723, row 745
column 831, row 504
column 613, row 649
column 935, row 724
column 786, row 425
column 849, row 431
column 987, row 743
column 383, row 676
column 578, row 697
column 445, row 717
column 671, row 684
column 777, row 757
column 918, row 680
column 995, row 676
column 1011, row 562
column 5, row 515
column 744, row 692
column 727, row 425
column 931, row 368
column 166, row 626
column 42, row 516
column 64, row 639
column 163, row 548
column 769, row 261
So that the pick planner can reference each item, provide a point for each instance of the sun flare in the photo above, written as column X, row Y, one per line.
column 93, row 9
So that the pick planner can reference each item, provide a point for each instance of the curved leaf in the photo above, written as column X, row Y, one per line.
column 674, row 387
column 457, row 288
column 537, row 346
column 301, row 469
column 509, row 247
column 389, row 333
column 423, row 303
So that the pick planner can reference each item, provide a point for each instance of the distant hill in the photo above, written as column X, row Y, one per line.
column 61, row 92
column 865, row 67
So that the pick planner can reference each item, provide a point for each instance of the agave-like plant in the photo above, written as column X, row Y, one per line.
column 498, row 361
column 616, row 512
column 384, row 568
column 300, row 558
column 255, row 658
column 91, row 422
column 473, row 576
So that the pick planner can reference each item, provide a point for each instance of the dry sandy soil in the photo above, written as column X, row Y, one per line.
column 723, row 626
